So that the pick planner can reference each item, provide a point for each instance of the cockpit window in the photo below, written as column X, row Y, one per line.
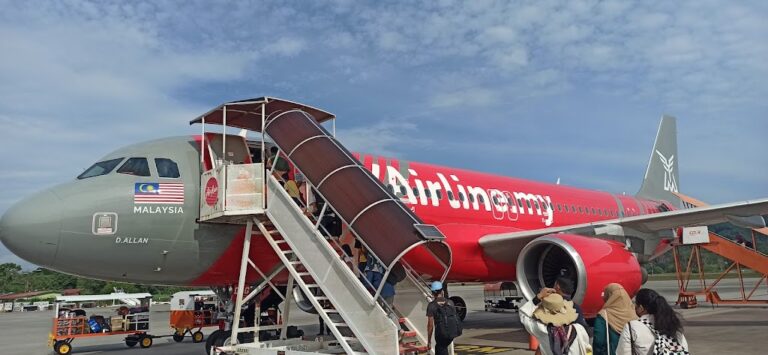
column 100, row 168
column 167, row 168
column 135, row 166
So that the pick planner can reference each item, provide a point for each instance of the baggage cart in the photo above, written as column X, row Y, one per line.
column 502, row 296
column 120, row 314
column 191, row 311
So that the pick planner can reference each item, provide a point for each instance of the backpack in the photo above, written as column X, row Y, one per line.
column 664, row 345
column 447, row 323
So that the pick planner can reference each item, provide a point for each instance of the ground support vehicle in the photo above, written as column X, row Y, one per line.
column 502, row 296
column 191, row 311
column 119, row 314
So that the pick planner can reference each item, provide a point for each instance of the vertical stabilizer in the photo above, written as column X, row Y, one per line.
column 661, row 181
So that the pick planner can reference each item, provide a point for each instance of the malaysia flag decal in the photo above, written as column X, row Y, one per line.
column 158, row 193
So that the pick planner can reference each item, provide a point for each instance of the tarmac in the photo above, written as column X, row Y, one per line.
column 709, row 330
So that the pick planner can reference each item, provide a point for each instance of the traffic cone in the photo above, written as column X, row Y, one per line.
column 533, row 343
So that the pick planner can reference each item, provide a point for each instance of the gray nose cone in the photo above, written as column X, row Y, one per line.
column 30, row 228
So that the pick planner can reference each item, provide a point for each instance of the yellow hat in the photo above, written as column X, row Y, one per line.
column 554, row 310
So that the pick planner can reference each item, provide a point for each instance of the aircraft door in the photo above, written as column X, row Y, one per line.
column 237, row 151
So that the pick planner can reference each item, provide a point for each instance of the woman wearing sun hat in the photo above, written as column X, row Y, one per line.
column 553, row 323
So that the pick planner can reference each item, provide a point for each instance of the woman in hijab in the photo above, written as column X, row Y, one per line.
column 553, row 323
column 610, row 321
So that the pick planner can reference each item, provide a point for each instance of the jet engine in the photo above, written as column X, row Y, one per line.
column 302, row 302
column 591, row 264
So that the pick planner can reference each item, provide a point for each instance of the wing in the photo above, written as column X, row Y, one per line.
column 649, row 229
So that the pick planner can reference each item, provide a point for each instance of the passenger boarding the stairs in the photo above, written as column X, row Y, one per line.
column 374, row 273
column 280, row 164
column 442, row 319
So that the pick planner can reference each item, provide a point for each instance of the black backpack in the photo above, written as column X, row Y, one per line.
column 447, row 323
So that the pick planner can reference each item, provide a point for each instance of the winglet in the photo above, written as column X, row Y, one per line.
column 661, row 181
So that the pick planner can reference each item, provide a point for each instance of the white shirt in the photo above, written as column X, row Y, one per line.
column 644, row 338
column 539, row 330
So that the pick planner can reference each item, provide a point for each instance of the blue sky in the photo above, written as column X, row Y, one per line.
column 534, row 89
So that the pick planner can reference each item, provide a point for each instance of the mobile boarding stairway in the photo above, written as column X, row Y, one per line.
column 236, row 190
column 738, row 257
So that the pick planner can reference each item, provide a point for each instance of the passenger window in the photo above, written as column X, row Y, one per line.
column 471, row 197
column 439, row 194
column 415, row 192
column 536, row 204
column 520, row 203
column 135, row 166
column 528, row 203
column 403, row 190
column 450, row 195
column 581, row 210
column 558, row 208
column 461, row 196
column 593, row 211
column 495, row 201
column 428, row 193
column 391, row 189
column 167, row 168
column 100, row 168
column 480, row 198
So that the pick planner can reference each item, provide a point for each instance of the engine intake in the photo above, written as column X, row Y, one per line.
column 590, row 263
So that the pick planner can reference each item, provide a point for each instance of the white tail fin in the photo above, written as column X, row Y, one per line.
column 662, row 179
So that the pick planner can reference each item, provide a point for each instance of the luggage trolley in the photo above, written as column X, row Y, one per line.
column 125, row 314
column 193, row 310
column 501, row 296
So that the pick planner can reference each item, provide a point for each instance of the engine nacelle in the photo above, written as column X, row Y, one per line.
column 302, row 302
column 590, row 263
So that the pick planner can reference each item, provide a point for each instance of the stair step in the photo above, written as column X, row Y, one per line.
column 410, row 334
column 321, row 298
column 287, row 252
column 413, row 348
column 313, row 286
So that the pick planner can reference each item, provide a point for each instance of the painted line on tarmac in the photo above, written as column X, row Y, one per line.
column 465, row 349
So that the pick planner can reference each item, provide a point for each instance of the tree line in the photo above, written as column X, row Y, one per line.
column 14, row 280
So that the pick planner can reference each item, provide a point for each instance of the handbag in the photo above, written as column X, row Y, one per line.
column 608, row 336
column 664, row 345
column 632, row 338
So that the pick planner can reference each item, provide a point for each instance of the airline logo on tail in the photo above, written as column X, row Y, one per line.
column 669, row 177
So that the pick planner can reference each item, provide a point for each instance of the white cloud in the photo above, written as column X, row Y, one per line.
column 466, row 98
column 287, row 47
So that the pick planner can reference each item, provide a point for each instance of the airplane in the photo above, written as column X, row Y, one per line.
column 134, row 216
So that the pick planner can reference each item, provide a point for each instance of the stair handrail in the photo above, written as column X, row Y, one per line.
column 753, row 249
column 366, row 173
column 350, row 274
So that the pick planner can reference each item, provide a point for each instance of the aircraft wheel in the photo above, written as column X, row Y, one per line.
column 145, row 341
column 461, row 307
column 224, row 339
column 211, row 341
column 131, row 341
column 62, row 347
column 684, row 305
column 197, row 337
